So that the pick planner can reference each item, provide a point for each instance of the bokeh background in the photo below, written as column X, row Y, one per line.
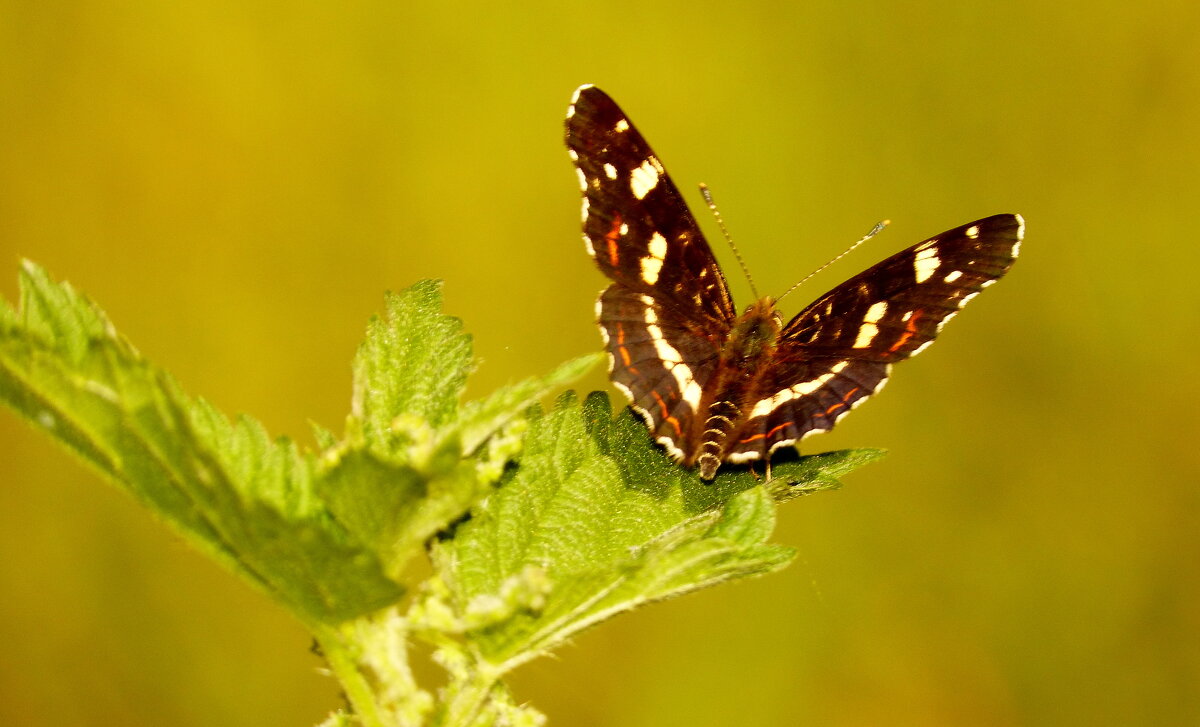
column 237, row 183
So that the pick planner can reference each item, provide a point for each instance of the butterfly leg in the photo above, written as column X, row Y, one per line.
column 755, row 474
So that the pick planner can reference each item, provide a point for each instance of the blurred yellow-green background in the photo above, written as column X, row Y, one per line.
column 237, row 183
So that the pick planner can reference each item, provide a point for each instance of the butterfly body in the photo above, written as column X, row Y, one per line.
column 740, row 376
column 714, row 386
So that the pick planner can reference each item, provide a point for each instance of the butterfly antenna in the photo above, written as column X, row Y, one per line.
column 878, row 228
column 708, row 198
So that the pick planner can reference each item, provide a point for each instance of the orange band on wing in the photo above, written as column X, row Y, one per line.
column 910, row 330
column 667, row 414
column 625, row 357
column 614, row 234
column 760, row 435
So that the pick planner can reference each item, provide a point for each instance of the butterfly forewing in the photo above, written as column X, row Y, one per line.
column 895, row 308
column 635, row 223
column 714, row 387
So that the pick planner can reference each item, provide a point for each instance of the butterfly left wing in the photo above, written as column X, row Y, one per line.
column 839, row 350
column 668, row 312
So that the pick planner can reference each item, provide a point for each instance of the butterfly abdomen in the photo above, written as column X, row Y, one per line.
column 721, row 423
column 745, row 356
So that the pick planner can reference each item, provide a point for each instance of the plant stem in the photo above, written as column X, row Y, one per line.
column 344, row 662
column 465, row 697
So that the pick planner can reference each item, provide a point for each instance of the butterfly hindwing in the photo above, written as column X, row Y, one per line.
column 659, row 361
column 800, row 396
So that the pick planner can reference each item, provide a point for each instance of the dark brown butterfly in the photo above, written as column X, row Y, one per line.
column 717, row 387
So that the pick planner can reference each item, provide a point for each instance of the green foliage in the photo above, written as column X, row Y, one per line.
column 581, row 532
column 227, row 487
column 539, row 524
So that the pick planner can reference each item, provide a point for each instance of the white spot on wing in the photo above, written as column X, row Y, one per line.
column 1016, row 249
column 658, row 246
column 954, row 275
column 583, row 185
column 926, row 263
column 671, row 358
column 780, row 443
column 866, row 334
column 869, row 330
column 887, row 371
column 575, row 97
column 766, row 406
column 653, row 262
column 813, row 431
column 610, row 171
column 739, row 457
column 973, row 231
column 644, row 178
column 692, row 393
column 622, row 125
column 650, row 269
column 675, row 452
column 628, row 394
column 925, row 345
column 804, row 388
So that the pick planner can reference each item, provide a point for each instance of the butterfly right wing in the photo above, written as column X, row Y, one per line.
column 635, row 223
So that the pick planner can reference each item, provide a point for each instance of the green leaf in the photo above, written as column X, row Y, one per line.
column 410, row 371
column 398, row 478
column 480, row 419
column 394, row 508
column 229, row 489
column 596, row 521
column 817, row 472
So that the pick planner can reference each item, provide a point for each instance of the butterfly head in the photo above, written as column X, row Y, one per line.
column 756, row 331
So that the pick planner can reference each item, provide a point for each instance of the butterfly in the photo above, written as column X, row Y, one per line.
column 715, row 386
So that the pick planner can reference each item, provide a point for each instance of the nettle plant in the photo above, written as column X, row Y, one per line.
column 537, row 523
